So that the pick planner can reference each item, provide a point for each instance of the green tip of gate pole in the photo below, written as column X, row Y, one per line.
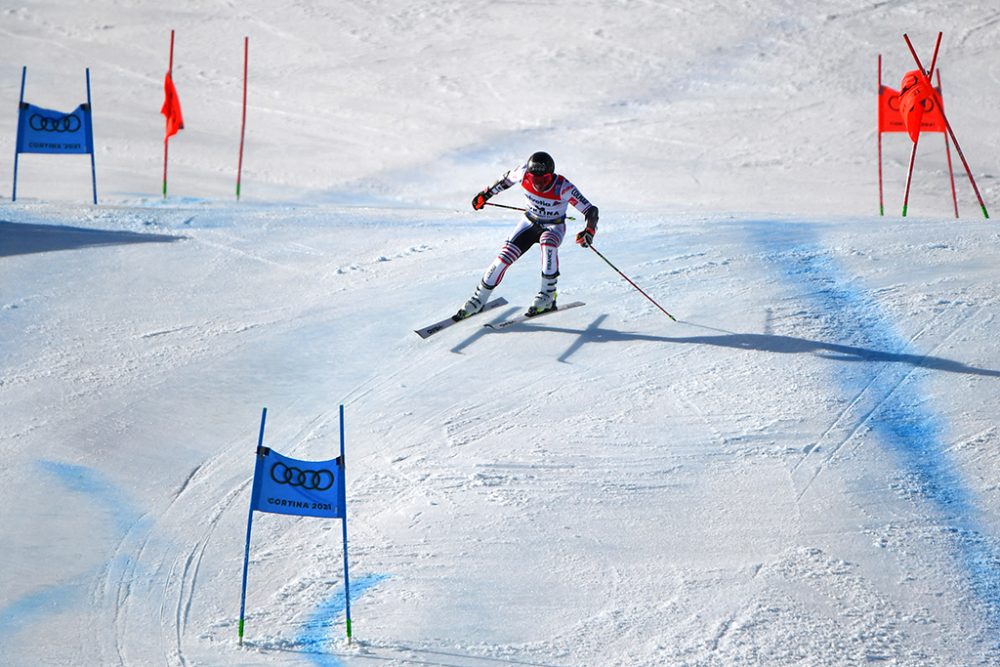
column 348, row 631
column 904, row 210
column 881, row 209
column 241, row 632
column 985, row 213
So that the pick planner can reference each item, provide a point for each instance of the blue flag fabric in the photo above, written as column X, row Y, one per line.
column 46, row 131
column 284, row 485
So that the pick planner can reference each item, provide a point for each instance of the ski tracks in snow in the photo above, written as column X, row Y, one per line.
column 925, row 505
column 882, row 384
column 147, row 566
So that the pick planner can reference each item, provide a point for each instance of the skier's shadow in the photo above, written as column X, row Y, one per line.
column 484, row 330
column 773, row 343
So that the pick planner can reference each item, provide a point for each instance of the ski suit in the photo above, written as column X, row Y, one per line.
column 544, row 223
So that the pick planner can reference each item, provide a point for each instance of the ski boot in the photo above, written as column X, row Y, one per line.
column 545, row 300
column 475, row 303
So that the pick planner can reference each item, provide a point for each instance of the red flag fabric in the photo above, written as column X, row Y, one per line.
column 891, row 120
column 171, row 108
column 916, row 96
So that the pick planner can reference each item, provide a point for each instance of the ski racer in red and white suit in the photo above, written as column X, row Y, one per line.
column 548, row 195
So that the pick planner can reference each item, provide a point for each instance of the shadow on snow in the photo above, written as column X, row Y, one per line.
column 746, row 341
column 18, row 238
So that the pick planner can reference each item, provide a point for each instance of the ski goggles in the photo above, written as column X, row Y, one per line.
column 540, row 182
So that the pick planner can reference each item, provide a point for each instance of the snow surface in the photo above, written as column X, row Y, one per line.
column 800, row 471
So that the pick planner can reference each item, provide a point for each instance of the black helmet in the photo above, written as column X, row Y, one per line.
column 541, row 163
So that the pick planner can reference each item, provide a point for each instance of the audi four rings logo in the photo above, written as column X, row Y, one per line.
column 39, row 123
column 310, row 480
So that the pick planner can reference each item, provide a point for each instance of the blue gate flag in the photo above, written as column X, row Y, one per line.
column 46, row 131
column 283, row 485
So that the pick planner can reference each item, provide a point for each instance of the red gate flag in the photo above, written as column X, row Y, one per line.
column 171, row 108
column 916, row 97
column 891, row 120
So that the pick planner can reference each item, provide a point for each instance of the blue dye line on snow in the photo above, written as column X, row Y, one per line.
column 104, row 493
column 57, row 598
column 36, row 605
column 327, row 617
column 899, row 414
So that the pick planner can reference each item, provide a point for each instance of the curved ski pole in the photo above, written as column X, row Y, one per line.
column 631, row 283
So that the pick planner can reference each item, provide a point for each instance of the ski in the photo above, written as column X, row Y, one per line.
column 426, row 332
column 525, row 317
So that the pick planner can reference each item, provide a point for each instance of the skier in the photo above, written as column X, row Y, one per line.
column 548, row 195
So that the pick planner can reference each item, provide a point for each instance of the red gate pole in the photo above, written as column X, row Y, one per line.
column 951, row 133
column 965, row 163
column 878, row 131
column 166, row 142
column 937, row 45
column 909, row 174
column 243, row 126
column 947, row 148
column 913, row 151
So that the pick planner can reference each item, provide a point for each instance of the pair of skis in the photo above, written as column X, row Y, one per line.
column 429, row 331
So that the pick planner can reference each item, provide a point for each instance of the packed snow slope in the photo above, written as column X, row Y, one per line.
column 800, row 471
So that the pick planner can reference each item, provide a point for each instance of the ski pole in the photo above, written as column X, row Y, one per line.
column 632, row 283
column 513, row 208
column 518, row 208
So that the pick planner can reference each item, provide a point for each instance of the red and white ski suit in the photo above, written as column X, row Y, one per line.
column 544, row 223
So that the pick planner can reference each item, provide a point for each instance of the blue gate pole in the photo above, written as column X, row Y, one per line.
column 246, row 552
column 17, row 140
column 93, row 169
column 343, row 503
